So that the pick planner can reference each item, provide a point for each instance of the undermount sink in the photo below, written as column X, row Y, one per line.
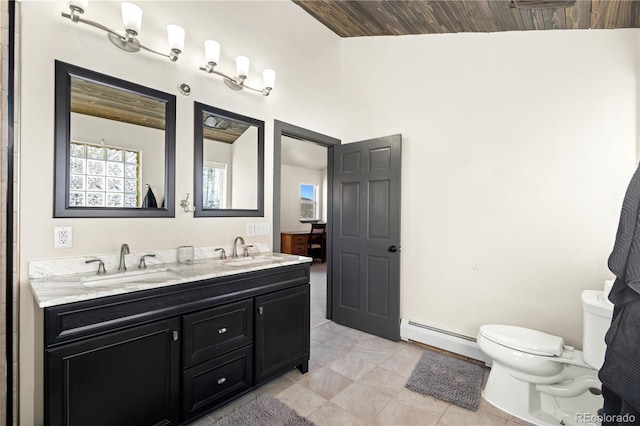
column 244, row 261
column 128, row 277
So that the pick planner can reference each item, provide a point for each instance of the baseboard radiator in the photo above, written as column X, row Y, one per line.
column 442, row 339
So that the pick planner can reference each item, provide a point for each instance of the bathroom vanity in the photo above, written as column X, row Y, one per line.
column 175, row 344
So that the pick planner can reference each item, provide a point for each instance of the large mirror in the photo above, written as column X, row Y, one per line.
column 114, row 147
column 228, row 163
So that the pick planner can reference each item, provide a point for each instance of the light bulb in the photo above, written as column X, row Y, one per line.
column 131, row 17
column 242, row 66
column 79, row 4
column 176, row 37
column 212, row 51
column 269, row 78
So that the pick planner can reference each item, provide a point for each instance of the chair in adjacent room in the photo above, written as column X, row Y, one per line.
column 317, row 242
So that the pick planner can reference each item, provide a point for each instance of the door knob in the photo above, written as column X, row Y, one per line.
column 394, row 249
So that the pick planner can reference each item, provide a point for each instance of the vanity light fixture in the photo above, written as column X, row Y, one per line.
column 132, row 19
column 212, row 53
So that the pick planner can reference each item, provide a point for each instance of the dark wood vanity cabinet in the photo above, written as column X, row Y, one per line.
column 168, row 356
column 129, row 377
column 280, row 339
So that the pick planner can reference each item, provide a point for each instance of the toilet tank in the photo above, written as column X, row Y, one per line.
column 596, row 319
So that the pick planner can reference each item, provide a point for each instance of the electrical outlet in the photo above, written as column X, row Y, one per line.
column 250, row 229
column 62, row 237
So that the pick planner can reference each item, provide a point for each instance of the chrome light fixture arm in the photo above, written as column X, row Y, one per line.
column 234, row 83
column 173, row 54
column 75, row 18
column 127, row 42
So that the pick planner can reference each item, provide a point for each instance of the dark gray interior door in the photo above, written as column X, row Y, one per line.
column 366, row 236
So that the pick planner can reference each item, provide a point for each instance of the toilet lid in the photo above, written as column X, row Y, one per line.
column 524, row 339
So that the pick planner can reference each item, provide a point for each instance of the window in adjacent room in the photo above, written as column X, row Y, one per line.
column 104, row 176
column 308, row 202
column 214, row 186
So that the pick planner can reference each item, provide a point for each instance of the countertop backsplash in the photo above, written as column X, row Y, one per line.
column 76, row 265
column 60, row 281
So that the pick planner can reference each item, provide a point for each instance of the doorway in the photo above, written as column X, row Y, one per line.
column 288, row 136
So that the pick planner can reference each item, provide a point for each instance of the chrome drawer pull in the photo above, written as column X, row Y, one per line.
column 222, row 330
column 221, row 380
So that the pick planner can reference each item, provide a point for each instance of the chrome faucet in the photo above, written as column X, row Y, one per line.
column 101, row 270
column 124, row 249
column 234, row 252
column 143, row 264
column 223, row 254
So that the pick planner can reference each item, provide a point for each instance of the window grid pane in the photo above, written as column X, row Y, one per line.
column 213, row 179
column 97, row 176
column 308, row 202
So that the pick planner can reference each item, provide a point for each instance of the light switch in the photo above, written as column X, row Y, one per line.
column 250, row 230
column 262, row 228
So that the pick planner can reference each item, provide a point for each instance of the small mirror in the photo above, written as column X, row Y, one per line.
column 114, row 147
column 228, row 163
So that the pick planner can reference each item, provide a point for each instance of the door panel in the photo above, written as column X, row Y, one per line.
column 349, row 222
column 378, row 294
column 366, row 214
column 379, row 199
column 349, row 294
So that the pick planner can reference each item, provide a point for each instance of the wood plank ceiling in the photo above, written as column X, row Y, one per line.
column 112, row 103
column 358, row 18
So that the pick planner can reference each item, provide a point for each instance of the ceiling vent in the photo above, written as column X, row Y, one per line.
column 542, row 4
column 215, row 122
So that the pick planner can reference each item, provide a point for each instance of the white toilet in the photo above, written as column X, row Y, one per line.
column 538, row 378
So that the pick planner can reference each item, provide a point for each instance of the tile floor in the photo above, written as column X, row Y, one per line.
column 355, row 378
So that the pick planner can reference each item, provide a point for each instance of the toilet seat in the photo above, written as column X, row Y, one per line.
column 524, row 339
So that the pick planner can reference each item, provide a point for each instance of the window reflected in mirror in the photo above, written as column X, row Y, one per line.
column 229, row 163
column 104, row 176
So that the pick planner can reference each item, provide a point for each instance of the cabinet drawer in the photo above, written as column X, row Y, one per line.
column 215, row 331
column 299, row 239
column 299, row 249
column 212, row 383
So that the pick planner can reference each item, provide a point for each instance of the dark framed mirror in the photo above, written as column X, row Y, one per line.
column 115, row 145
column 228, row 163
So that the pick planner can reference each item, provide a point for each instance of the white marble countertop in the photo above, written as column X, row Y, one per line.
column 56, row 290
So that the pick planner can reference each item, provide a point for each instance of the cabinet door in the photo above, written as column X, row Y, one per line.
column 282, row 332
column 129, row 377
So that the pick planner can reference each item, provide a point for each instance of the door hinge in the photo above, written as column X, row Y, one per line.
column 260, row 310
column 175, row 335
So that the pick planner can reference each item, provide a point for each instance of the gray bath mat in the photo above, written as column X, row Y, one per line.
column 264, row 410
column 447, row 378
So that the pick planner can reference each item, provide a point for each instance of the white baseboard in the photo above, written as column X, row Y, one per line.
column 441, row 339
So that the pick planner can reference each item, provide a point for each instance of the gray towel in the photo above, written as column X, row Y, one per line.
column 149, row 201
column 621, row 369
column 624, row 260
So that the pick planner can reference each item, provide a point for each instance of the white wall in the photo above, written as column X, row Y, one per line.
column 277, row 35
column 244, row 170
column 86, row 128
column 292, row 177
column 517, row 150
column 220, row 152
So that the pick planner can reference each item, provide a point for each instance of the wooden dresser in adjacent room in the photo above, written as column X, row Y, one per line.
column 294, row 242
